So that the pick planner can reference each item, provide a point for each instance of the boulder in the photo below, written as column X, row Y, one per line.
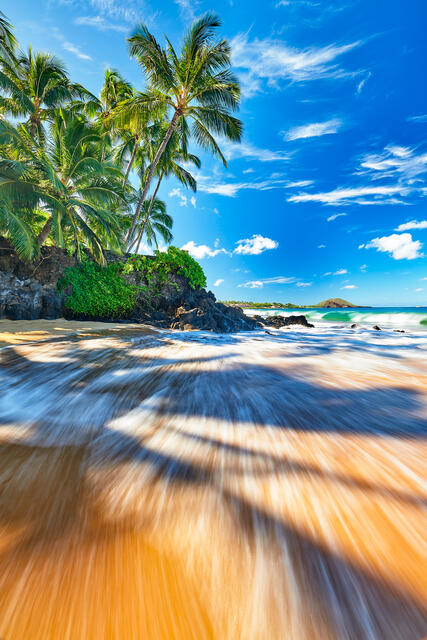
column 283, row 321
column 376, row 327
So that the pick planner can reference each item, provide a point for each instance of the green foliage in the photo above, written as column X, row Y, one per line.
column 156, row 271
column 98, row 291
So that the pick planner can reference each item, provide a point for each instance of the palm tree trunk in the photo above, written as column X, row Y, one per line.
column 147, row 215
column 45, row 231
column 160, row 150
column 130, row 163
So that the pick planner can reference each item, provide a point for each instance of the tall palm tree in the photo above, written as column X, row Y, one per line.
column 157, row 222
column 195, row 86
column 32, row 85
column 78, row 191
column 169, row 164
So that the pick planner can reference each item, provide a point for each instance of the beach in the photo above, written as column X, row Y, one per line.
column 163, row 484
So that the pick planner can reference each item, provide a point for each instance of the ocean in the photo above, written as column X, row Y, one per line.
column 407, row 318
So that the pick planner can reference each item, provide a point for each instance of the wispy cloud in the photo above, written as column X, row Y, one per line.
column 337, row 215
column 69, row 46
column 304, row 284
column 394, row 161
column 413, row 224
column 130, row 11
column 234, row 150
column 187, row 8
column 338, row 272
column 421, row 118
column 100, row 23
column 356, row 195
column 255, row 245
column 349, row 286
column 177, row 193
column 218, row 282
column 271, row 61
column 298, row 183
column 399, row 246
column 258, row 284
column 231, row 189
column 313, row 129
column 362, row 83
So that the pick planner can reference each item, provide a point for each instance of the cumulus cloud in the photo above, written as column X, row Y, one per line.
column 272, row 60
column 413, row 224
column 337, row 215
column 399, row 246
column 200, row 251
column 313, row 129
column 255, row 245
column 218, row 282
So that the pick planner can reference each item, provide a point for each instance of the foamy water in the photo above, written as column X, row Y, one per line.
column 190, row 485
column 406, row 318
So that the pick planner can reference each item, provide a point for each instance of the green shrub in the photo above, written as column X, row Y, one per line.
column 156, row 271
column 98, row 291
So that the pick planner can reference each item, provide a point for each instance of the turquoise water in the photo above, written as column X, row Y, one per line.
column 387, row 317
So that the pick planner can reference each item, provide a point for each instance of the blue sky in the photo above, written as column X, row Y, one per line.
column 325, row 197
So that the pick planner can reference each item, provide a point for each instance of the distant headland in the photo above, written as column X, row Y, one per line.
column 330, row 303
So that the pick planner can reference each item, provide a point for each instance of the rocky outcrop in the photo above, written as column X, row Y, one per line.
column 283, row 321
column 29, row 291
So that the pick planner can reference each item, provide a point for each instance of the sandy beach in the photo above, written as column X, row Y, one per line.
column 160, row 484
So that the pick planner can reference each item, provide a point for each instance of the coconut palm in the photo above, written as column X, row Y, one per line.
column 78, row 190
column 157, row 222
column 169, row 164
column 32, row 85
column 8, row 41
column 196, row 87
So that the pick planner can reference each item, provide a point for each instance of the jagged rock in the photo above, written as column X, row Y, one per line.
column 376, row 327
column 353, row 326
column 283, row 321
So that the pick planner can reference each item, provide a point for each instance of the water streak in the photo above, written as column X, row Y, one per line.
column 187, row 485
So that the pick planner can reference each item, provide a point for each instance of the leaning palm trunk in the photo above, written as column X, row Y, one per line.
column 153, row 166
column 42, row 237
column 130, row 163
column 147, row 215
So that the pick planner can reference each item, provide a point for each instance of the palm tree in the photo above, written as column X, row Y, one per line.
column 78, row 190
column 195, row 86
column 8, row 41
column 157, row 221
column 32, row 86
column 169, row 164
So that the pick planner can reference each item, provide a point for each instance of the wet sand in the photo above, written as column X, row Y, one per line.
column 187, row 485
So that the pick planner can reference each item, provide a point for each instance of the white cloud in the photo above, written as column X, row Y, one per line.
column 349, row 286
column 321, row 246
column 200, row 251
column 304, row 284
column 419, row 289
column 421, row 118
column 193, row 201
column 299, row 183
column 187, row 7
column 399, row 246
column 342, row 196
column 394, row 161
column 313, row 129
column 272, row 60
column 255, row 245
column 177, row 193
column 413, row 224
column 258, row 284
column 231, row 189
column 363, row 267
column 340, row 272
column 362, row 83
column 243, row 149
column 218, row 282
column 69, row 46
column 337, row 215
column 250, row 170
column 100, row 23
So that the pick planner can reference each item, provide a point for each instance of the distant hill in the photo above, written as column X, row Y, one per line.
column 335, row 303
